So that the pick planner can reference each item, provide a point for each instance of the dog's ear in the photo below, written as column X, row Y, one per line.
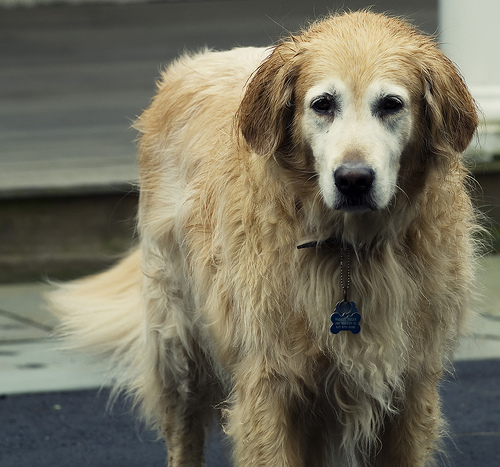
column 450, row 109
column 265, row 115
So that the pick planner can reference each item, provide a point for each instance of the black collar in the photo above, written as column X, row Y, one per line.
column 331, row 242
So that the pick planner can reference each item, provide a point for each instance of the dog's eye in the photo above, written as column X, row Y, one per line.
column 324, row 104
column 390, row 104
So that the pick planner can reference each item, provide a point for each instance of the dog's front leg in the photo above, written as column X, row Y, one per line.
column 412, row 437
column 262, row 421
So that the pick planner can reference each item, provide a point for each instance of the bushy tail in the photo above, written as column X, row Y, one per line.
column 101, row 314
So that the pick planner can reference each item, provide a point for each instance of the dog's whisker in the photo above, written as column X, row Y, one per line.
column 401, row 190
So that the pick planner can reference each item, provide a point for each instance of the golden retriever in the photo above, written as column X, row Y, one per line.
column 343, row 141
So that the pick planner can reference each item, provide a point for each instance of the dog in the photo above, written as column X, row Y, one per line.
column 306, row 255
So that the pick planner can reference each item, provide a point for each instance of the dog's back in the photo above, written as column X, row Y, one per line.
column 102, row 313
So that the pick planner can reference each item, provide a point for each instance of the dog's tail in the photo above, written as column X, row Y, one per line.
column 101, row 314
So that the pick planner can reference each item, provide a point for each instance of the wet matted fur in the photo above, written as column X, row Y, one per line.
column 352, row 132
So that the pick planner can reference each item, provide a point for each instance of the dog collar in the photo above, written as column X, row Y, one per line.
column 346, row 316
column 328, row 243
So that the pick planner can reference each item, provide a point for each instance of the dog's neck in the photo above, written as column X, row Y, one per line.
column 347, row 233
column 332, row 242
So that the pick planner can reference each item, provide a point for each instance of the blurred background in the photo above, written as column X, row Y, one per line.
column 74, row 75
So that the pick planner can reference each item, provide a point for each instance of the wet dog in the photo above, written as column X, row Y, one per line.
column 344, row 140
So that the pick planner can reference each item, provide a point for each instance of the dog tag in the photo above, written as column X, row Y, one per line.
column 345, row 318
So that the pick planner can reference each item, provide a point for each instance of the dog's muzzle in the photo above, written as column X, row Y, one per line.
column 354, row 183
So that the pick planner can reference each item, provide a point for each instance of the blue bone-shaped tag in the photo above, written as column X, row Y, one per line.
column 345, row 318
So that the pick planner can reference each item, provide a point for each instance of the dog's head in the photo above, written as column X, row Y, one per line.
column 353, row 100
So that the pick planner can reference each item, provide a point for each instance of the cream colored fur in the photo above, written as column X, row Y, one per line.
column 218, row 308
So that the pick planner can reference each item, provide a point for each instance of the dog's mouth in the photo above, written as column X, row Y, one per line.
column 355, row 204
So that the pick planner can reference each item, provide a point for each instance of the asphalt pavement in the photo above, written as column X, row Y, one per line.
column 62, row 429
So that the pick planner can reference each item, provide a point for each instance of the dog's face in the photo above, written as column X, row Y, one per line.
column 357, row 136
column 355, row 104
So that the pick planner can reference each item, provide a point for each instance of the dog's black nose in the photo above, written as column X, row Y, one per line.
column 354, row 180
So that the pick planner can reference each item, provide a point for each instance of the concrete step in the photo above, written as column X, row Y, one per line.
column 64, row 236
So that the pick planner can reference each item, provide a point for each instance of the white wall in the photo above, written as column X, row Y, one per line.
column 470, row 36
